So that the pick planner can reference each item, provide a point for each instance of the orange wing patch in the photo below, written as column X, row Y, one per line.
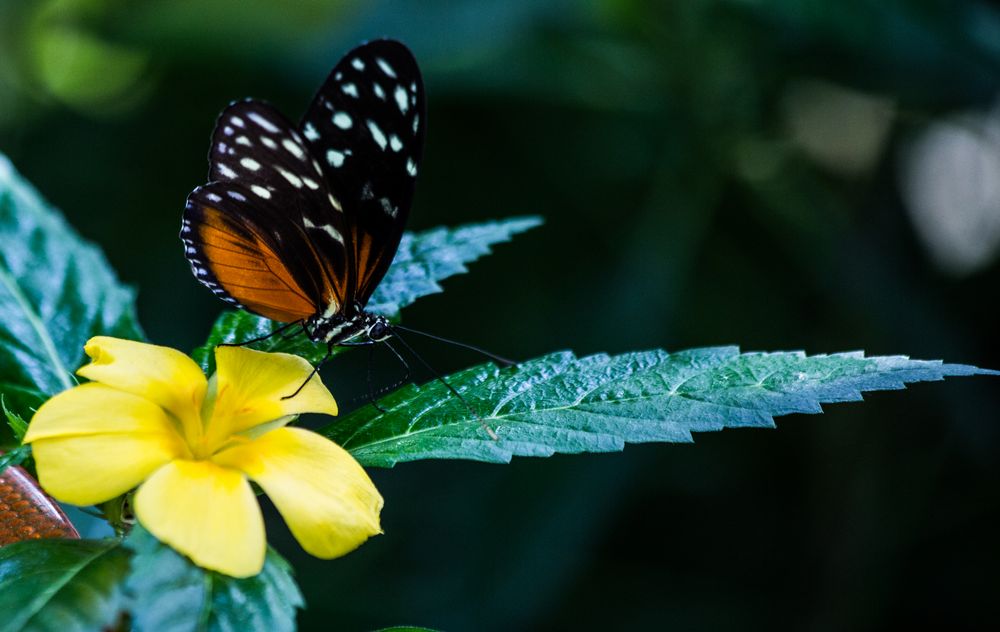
column 250, row 271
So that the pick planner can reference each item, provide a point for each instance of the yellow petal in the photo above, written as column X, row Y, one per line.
column 326, row 498
column 97, row 409
column 162, row 375
column 86, row 470
column 206, row 512
column 92, row 443
column 251, row 386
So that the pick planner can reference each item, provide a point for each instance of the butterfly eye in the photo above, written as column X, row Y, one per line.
column 379, row 331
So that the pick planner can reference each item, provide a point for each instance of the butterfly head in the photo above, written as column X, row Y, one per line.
column 378, row 328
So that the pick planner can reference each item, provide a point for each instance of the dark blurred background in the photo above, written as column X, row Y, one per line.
column 785, row 174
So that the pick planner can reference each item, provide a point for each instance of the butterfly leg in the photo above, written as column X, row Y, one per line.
column 260, row 338
column 329, row 352
column 371, row 390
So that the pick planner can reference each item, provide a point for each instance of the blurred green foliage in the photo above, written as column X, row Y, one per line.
column 711, row 171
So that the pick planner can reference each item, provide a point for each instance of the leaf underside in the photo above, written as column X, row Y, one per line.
column 563, row 404
column 422, row 261
column 56, row 291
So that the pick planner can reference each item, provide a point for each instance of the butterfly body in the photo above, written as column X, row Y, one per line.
column 341, row 328
column 299, row 223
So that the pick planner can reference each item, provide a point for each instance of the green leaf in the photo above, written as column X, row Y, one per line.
column 170, row 593
column 423, row 259
column 560, row 403
column 433, row 255
column 13, row 457
column 56, row 291
column 240, row 326
column 17, row 425
column 61, row 585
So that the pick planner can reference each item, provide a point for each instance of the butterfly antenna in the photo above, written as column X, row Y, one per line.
column 486, row 427
column 261, row 338
column 492, row 356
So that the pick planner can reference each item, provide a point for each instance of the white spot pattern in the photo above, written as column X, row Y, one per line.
column 358, row 64
column 387, row 206
column 311, row 132
column 268, row 142
column 342, row 120
column 379, row 92
column 293, row 179
column 261, row 191
column 400, row 95
column 411, row 167
column 395, row 143
column 263, row 122
column 326, row 228
column 350, row 90
column 377, row 134
column 226, row 171
column 386, row 68
column 243, row 140
column 293, row 148
column 250, row 164
column 335, row 158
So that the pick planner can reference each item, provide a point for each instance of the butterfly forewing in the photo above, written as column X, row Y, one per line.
column 301, row 223
column 366, row 129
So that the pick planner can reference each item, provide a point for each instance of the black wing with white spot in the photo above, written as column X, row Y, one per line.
column 266, row 191
column 366, row 129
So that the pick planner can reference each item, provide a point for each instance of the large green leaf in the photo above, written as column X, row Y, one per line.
column 423, row 259
column 561, row 403
column 61, row 585
column 171, row 593
column 56, row 291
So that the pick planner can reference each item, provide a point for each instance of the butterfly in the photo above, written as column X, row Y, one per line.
column 299, row 223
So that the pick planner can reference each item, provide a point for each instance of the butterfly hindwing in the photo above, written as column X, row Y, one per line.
column 366, row 128
column 241, row 261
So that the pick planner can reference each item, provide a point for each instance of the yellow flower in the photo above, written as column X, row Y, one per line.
column 149, row 418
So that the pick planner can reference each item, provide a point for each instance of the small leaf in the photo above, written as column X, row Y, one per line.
column 17, row 425
column 169, row 592
column 61, row 585
column 14, row 457
column 560, row 403
column 422, row 260
column 56, row 291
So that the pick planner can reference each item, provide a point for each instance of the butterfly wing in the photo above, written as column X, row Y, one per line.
column 366, row 128
column 258, row 234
